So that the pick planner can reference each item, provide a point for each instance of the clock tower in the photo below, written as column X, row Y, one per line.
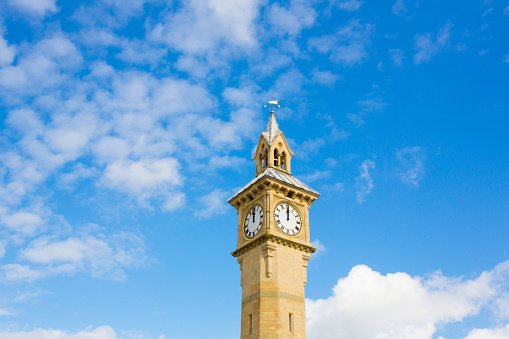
column 273, row 242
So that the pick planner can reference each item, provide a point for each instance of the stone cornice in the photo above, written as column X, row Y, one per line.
column 275, row 239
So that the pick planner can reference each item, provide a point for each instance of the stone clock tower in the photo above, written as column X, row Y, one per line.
column 273, row 244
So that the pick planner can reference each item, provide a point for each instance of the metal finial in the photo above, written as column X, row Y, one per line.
column 272, row 103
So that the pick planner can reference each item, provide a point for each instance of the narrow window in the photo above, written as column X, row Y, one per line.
column 250, row 324
column 290, row 323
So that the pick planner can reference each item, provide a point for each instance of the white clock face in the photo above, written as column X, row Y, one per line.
column 253, row 222
column 287, row 219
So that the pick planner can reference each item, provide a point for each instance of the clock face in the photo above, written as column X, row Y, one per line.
column 253, row 222
column 287, row 219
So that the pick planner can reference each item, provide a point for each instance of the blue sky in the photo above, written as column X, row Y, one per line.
column 126, row 125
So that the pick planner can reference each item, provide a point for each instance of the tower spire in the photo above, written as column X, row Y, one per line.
column 272, row 130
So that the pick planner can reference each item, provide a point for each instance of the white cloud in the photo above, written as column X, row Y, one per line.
column 103, row 332
column 349, row 5
column 174, row 200
column 7, row 53
column 213, row 203
column 2, row 248
column 367, row 304
column 143, row 175
column 193, row 65
column 17, row 272
column 364, row 183
column 348, row 46
column 325, row 78
column 99, row 255
column 69, row 135
column 411, row 161
column 506, row 10
column 428, row 45
column 397, row 56
column 35, row 7
column 201, row 27
column 292, row 20
column 23, row 222
column 487, row 333
column 43, row 66
column 399, row 8
column 25, row 121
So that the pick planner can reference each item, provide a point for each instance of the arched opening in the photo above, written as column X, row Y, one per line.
column 283, row 161
column 276, row 158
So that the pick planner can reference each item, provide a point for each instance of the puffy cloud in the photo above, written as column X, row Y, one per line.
column 174, row 200
column 364, row 183
column 488, row 333
column 411, row 164
column 143, row 175
column 367, row 304
column 7, row 52
column 428, row 45
column 348, row 46
column 43, row 66
column 103, row 332
column 22, row 222
column 35, row 7
column 102, row 256
column 201, row 27
column 292, row 20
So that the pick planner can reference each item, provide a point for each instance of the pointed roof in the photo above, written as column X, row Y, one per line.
column 278, row 175
column 272, row 129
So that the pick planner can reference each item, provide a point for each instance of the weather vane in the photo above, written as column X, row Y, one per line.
column 272, row 103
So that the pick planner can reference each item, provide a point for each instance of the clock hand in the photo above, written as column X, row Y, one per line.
column 253, row 211
column 288, row 213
